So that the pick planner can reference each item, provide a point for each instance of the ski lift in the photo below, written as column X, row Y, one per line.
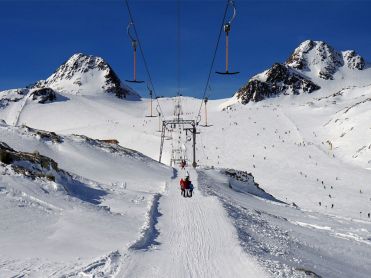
column 151, row 96
column 227, row 29
column 169, row 137
column 134, row 44
column 159, row 117
column 198, row 120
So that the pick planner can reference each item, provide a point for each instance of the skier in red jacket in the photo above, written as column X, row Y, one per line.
column 185, row 187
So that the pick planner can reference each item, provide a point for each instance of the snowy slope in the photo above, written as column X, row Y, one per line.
column 291, row 133
column 287, row 241
column 51, row 226
column 310, row 153
column 98, row 218
column 191, row 225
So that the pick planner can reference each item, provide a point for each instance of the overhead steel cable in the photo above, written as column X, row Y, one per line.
column 178, row 46
column 144, row 59
column 213, row 59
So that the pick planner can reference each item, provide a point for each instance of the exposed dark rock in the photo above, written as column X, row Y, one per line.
column 353, row 60
column 311, row 60
column 280, row 79
column 44, row 95
column 296, row 58
column 113, row 84
column 254, row 90
column 44, row 135
column 238, row 175
column 110, row 146
column 31, row 165
column 110, row 141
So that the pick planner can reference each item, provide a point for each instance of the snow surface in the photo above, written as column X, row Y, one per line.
column 198, row 225
column 121, row 215
column 48, row 231
column 279, row 141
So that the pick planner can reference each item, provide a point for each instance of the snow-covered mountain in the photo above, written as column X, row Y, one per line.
column 305, row 71
column 322, row 60
column 80, row 75
column 87, row 74
column 286, row 179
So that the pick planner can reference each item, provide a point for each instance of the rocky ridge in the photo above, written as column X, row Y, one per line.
column 81, row 71
column 312, row 61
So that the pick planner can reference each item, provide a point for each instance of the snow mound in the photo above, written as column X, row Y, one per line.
column 72, row 194
column 45, row 173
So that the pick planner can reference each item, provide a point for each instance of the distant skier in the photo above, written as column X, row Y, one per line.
column 183, row 164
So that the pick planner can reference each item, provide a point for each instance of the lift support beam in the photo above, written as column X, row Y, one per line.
column 191, row 127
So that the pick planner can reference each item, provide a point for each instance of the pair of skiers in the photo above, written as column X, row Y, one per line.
column 186, row 187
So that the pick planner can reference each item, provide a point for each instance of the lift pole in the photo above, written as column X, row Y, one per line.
column 159, row 122
column 206, row 100
column 194, row 164
column 151, row 105
column 162, row 140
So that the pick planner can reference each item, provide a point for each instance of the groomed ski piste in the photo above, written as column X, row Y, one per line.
column 273, row 197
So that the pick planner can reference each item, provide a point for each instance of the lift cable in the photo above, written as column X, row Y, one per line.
column 178, row 46
column 213, row 60
column 161, row 114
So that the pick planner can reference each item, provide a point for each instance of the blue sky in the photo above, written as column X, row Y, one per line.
column 37, row 36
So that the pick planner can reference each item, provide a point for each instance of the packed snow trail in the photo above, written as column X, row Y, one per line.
column 16, row 114
column 194, row 238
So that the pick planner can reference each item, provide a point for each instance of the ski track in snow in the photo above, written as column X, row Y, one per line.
column 193, row 238
column 19, row 108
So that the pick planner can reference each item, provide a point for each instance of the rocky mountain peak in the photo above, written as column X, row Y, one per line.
column 322, row 59
column 78, row 63
column 86, row 74
column 310, row 62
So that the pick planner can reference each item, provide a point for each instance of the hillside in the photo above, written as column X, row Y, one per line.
column 66, row 200
column 285, row 175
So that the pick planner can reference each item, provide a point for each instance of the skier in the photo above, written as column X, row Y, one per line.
column 182, row 164
column 186, row 187
column 190, row 189
column 183, row 186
